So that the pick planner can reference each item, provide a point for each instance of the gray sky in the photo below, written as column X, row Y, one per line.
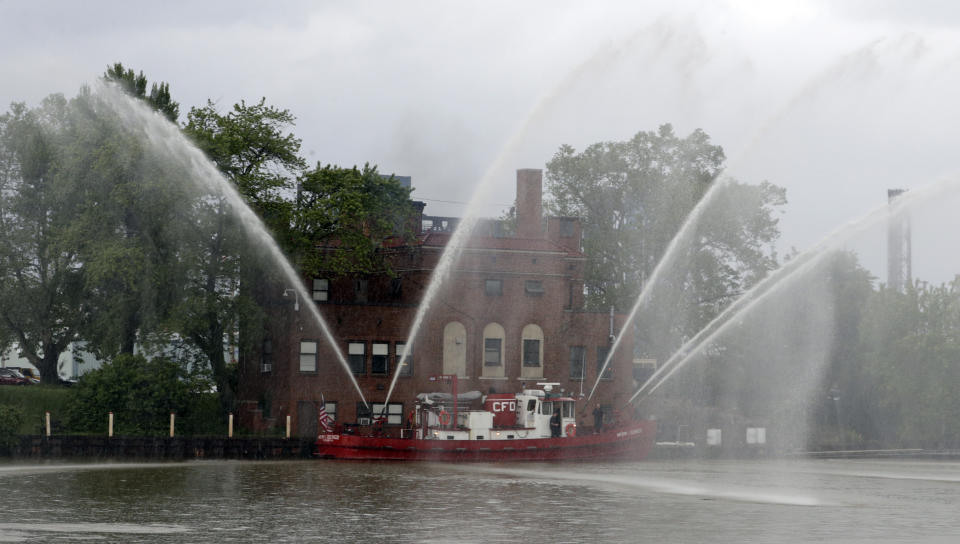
column 836, row 101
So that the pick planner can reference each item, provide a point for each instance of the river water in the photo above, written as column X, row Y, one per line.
column 332, row 501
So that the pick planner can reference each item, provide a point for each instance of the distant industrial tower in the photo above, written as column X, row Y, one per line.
column 898, row 245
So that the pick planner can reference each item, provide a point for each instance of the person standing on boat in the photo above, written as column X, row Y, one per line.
column 555, row 422
column 598, row 419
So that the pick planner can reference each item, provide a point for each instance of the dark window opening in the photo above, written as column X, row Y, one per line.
column 491, row 351
column 379, row 362
column 360, row 290
column 407, row 364
column 531, row 353
column 356, row 356
column 576, row 362
column 602, row 353
column 396, row 287
column 266, row 357
column 533, row 287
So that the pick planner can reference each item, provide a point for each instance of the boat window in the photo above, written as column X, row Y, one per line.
column 531, row 405
column 547, row 408
column 568, row 410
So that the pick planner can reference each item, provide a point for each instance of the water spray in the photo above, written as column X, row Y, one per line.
column 165, row 135
column 801, row 264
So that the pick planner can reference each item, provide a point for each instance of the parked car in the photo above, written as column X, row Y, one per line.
column 27, row 372
column 9, row 376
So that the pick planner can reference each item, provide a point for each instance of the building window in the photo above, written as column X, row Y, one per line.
column 493, row 366
column 491, row 351
column 331, row 410
column 393, row 412
column 576, row 362
column 266, row 357
column 396, row 287
column 533, row 287
column 308, row 356
column 321, row 289
column 356, row 353
column 602, row 353
column 531, row 353
column 364, row 413
column 360, row 290
column 380, row 355
column 493, row 288
column 407, row 368
column 643, row 369
column 566, row 227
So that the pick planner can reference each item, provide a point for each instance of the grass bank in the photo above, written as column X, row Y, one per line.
column 34, row 400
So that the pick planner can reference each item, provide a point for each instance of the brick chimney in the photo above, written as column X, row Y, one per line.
column 529, row 203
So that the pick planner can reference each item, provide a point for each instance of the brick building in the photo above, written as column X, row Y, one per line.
column 510, row 312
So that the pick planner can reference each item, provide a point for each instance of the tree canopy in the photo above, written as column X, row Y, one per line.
column 42, row 294
column 136, row 85
column 634, row 196
column 353, row 213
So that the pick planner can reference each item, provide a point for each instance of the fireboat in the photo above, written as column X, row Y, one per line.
column 509, row 427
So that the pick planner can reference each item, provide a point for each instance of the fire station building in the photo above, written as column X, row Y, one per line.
column 509, row 313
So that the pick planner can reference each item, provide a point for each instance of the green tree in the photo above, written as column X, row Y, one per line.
column 254, row 149
column 136, row 85
column 126, row 229
column 634, row 196
column 352, row 212
column 910, row 353
column 141, row 393
column 42, row 294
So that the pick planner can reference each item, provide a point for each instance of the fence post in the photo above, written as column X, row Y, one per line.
column 110, row 426
column 172, row 418
column 288, row 425
column 230, row 426
column 47, row 418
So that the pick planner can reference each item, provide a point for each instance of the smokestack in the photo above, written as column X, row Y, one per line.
column 529, row 203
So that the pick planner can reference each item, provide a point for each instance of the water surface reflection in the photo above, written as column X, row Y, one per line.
column 327, row 501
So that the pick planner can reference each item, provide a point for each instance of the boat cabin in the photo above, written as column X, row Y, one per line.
column 504, row 417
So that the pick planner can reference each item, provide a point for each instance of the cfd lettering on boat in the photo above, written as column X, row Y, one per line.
column 329, row 437
column 505, row 406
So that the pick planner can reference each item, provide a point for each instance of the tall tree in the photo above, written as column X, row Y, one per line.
column 634, row 196
column 254, row 149
column 136, row 85
column 129, row 207
column 42, row 295
column 353, row 213
column 909, row 351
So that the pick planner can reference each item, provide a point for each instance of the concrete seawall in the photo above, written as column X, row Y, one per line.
column 177, row 448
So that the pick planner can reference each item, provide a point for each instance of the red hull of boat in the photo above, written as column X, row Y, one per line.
column 631, row 442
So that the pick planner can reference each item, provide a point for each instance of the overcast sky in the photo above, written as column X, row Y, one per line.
column 836, row 101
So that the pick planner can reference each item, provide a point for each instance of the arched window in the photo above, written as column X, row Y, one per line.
column 455, row 349
column 493, row 336
column 531, row 342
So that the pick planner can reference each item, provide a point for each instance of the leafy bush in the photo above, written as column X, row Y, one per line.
column 141, row 394
column 11, row 417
